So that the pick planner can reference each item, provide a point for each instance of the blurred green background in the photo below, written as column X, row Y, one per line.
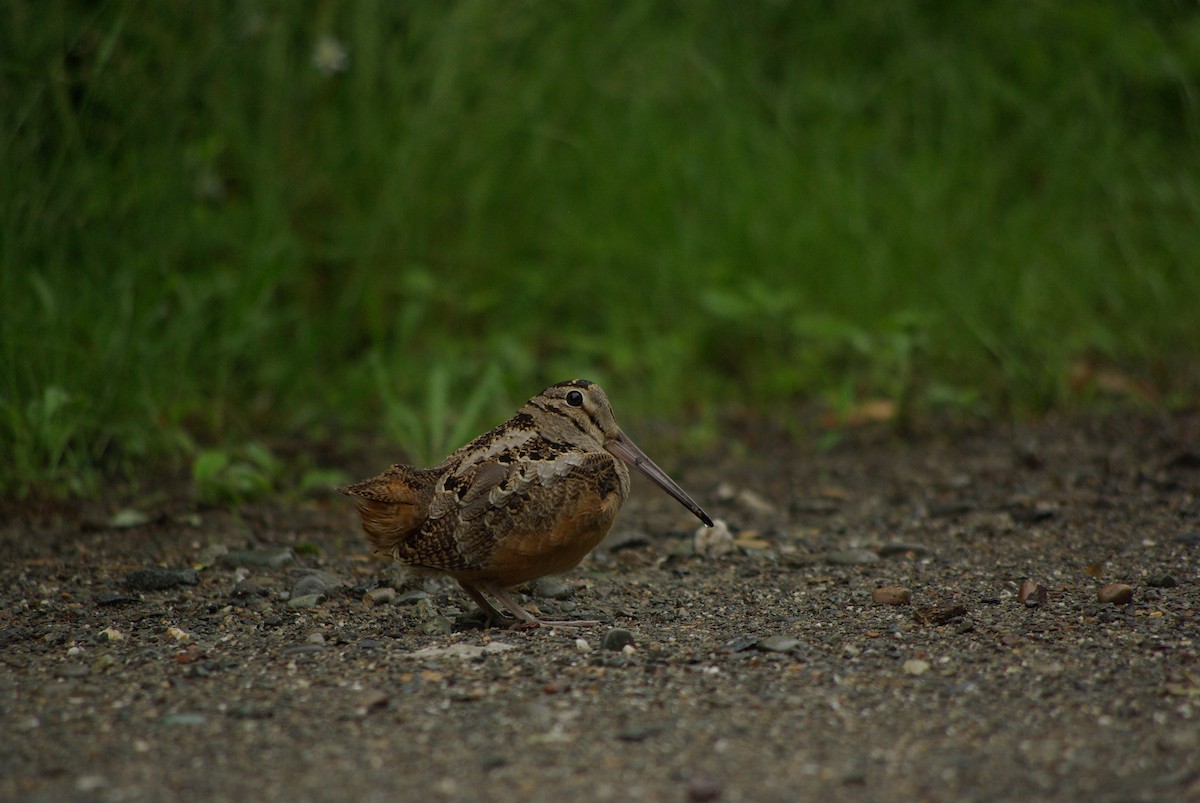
column 224, row 222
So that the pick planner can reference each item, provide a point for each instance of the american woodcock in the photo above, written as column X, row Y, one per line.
column 528, row 499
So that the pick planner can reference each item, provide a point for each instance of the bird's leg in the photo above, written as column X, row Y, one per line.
column 528, row 620
column 493, row 616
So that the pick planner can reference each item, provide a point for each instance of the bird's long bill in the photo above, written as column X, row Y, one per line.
column 628, row 451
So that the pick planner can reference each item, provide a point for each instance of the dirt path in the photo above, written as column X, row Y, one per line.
column 758, row 671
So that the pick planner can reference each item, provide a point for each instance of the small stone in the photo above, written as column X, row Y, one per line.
column 751, row 540
column 778, row 644
column 305, row 602
column 72, row 671
column 315, row 638
column 1116, row 593
column 102, row 664
column 310, row 585
column 851, row 557
column 209, row 556
column 437, row 626
column 112, row 634
column 582, row 645
column 714, row 541
column 701, row 789
column 891, row 595
column 183, row 720
column 755, row 504
column 264, row 558
column 370, row 700
column 381, row 596
column 128, row 517
column 1162, row 581
column 1032, row 594
column 157, row 578
column 411, row 597
column 87, row 784
column 250, row 587
column 915, row 666
column 178, row 635
column 740, row 644
column 939, row 614
column 553, row 588
column 616, row 639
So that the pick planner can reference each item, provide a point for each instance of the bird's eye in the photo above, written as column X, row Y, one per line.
column 575, row 398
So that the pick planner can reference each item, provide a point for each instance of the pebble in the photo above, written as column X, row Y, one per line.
column 616, row 639
column 582, row 645
column 915, row 666
column 89, row 784
column 1116, row 593
column 102, row 664
column 128, row 517
column 251, row 587
column 850, row 557
column 178, row 635
column 753, row 503
column 778, row 643
column 315, row 638
column 370, row 700
column 1032, row 594
column 183, row 720
column 157, row 578
column 381, row 596
column 411, row 597
column 939, row 614
column 740, row 643
column 72, row 671
column 714, row 541
column 1162, row 581
column 305, row 602
column 275, row 557
column 553, row 588
column 209, row 556
column 701, row 789
column 112, row 634
column 437, row 626
column 310, row 585
column 891, row 595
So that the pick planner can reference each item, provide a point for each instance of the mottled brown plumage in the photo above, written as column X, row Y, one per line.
column 528, row 499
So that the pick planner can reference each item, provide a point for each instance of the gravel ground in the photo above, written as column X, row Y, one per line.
column 168, row 650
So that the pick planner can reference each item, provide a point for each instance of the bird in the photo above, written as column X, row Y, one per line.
column 527, row 499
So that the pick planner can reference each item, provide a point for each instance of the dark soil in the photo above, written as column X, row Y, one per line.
column 763, row 672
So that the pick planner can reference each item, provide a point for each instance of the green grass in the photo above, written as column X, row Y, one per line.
column 206, row 239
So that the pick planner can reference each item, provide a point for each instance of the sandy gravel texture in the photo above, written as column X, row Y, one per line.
column 189, row 653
